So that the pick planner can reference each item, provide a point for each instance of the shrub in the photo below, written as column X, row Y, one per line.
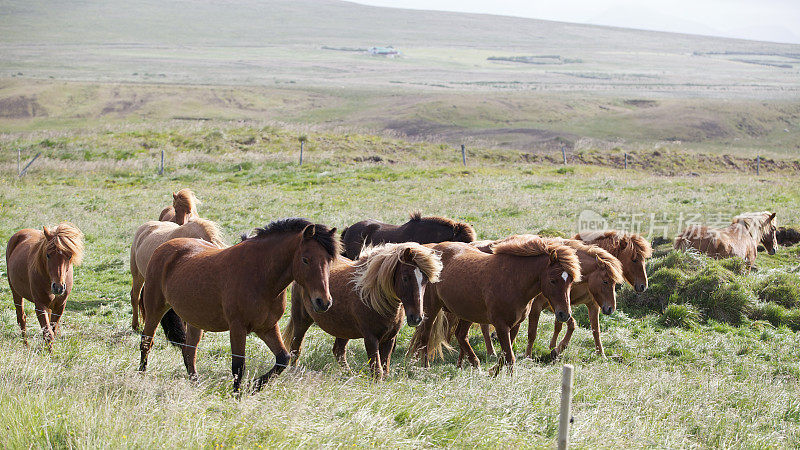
column 685, row 261
column 781, row 288
column 736, row 265
column 684, row 316
column 717, row 293
column 777, row 315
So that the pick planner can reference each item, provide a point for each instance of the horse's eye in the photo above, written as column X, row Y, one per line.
column 48, row 256
column 605, row 281
column 305, row 260
column 634, row 260
column 552, row 281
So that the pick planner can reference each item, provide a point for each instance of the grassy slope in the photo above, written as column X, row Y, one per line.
column 715, row 385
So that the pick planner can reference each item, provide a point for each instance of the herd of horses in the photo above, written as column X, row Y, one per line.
column 429, row 272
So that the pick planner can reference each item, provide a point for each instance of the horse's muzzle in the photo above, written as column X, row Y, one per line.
column 640, row 287
column 562, row 316
column 771, row 251
column 320, row 305
column 413, row 320
column 58, row 288
column 608, row 310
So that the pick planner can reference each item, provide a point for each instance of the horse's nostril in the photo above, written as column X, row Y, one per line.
column 414, row 320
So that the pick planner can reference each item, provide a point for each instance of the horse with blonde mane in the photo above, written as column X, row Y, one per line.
column 419, row 229
column 183, row 209
column 370, row 298
column 39, row 268
column 147, row 238
column 600, row 273
column 240, row 289
column 740, row 238
column 496, row 288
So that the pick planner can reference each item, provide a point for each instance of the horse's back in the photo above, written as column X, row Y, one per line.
column 167, row 214
column 148, row 237
column 360, row 233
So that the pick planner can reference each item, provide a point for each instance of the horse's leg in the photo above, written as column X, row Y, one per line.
column 385, row 350
column 136, row 289
column 55, row 317
column 594, row 320
column 272, row 337
column 373, row 354
column 463, row 343
column 21, row 319
column 43, row 314
column 556, row 331
column 156, row 307
column 533, row 327
column 504, row 336
column 514, row 331
column 193, row 336
column 238, row 335
column 487, row 337
column 340, row 352
column 567, row 336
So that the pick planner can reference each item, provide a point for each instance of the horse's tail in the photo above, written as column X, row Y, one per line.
column 174, row 328
column 440, row 329
column 288, row 332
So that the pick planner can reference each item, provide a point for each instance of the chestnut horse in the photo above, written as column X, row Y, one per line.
column 183, row 208
column 423, row 230
column 240, row 288
column 147, row 238
column 39, row 268
column 740, row 238
column 496, row 289
column 370, row 298
column 600, row 272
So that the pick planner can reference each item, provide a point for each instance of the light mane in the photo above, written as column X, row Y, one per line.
column 615, row 241
column 757, row 224
column 66, row 239
column 531, row 245
column 211, row 229
column 375, row 269
column 605, row 261
column 185, row 200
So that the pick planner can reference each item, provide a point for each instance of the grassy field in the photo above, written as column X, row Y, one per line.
column 667, row 382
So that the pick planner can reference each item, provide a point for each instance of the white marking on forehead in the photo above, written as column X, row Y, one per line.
column 418, row 274
column 564, row 275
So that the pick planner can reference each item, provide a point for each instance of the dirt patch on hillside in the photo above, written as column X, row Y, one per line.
column 21, row 107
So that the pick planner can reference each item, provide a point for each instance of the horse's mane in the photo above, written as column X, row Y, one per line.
column 460, row 229
column 756, row 223
column 329, row 241
column 605, row 260
column 614, row 241
column 66, row 238
column 375, row 268
column 532, row 245
column 211, row 229
column 186, row 200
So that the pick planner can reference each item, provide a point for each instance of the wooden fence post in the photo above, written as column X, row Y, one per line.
column 25, row 169
column 564, row 154
column 161, row 169
column 565, row 412
column 758, row 164
column 19, row 160
column 626, row 160
column 302, row 140
column 463, row 154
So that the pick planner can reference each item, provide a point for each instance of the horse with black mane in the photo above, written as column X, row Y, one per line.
column 422, row 230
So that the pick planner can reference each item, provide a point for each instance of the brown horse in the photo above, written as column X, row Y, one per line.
column 423, row 230
column 39, row 268
column 496, row 289
column 240, row 288
column 154, row 233
column 370, row 298
column 183, row 208
column 740, row 238
column 600, row 272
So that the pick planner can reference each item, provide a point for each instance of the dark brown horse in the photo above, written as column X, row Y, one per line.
column 370, row 298
column 183, row 208
column 240, row 288
column 423, row 230
column 740, row 238
column 39, row 268
column 496, row 289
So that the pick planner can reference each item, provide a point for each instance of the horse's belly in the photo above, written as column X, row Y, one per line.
column 336, row 321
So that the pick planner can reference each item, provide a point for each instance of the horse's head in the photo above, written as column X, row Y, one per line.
column 769, row 235
column 311, row 265
column 603, row 280
column 61, row 248
column 562, row 270
column 633, row 253
column 418, row 266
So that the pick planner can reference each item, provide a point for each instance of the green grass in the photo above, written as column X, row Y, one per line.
column 692, row 380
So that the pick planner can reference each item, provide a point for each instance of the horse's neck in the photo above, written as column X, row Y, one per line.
column 588, row 264
column 741, row 230
column 39, row 262
column 180, row 216
column 527, row 273
column 271, row 260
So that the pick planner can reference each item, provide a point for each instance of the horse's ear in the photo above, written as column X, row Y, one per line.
column 309, row 231
column 407, row 256
column 771, row 217
column 333, row 231
column 174, row 195
column 47, row 233
column 553, row 256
